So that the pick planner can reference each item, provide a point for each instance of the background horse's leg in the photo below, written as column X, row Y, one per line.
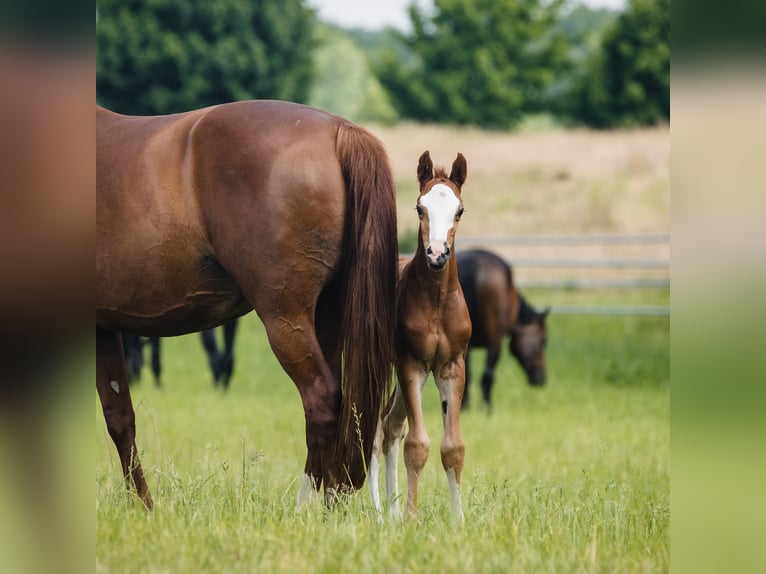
column 450, row 381
column 211, row 348
column 467, row 378
column 154, row 343
column 134, row 356
column 114, row 393
column 416, row 444
column 488, row 377
column 227, row 358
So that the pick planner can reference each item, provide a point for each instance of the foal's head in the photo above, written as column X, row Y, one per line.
column 439, row 208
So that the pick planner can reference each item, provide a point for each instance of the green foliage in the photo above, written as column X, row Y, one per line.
column 163, row 56
column 627, row 82
column 344, row 84
column 481, row 62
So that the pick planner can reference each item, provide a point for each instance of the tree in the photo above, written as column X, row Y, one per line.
column 163, row 56
column 627, row 82
column 344, row 83
column 483, row 62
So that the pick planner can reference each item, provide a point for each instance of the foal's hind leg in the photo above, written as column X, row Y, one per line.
column 114, row 392
column 387, row 439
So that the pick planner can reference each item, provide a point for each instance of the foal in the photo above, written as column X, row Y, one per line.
column 433, row 330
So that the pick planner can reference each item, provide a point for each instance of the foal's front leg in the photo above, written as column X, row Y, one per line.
column 450, row 379
column 412, row 377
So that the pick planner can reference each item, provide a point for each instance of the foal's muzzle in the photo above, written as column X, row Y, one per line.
column 437, row 258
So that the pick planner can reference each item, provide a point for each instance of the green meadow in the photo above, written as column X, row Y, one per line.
column 572, row 477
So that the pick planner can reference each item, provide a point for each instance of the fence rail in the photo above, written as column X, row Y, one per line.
column 618, row 264
column 593, row 239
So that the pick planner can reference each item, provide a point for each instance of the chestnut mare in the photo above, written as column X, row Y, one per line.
column 433, row 329
column 264, row 205
column 498, row 309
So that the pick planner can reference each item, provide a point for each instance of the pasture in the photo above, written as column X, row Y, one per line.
column 573, row 477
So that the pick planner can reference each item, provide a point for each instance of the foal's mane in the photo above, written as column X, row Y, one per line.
column 440, row 172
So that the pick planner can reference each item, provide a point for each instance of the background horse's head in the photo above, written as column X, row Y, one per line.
column 528, row 339
column 439, row 208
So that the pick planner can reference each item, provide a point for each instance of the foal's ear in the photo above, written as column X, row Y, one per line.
column 425, row 168
column 459, row 170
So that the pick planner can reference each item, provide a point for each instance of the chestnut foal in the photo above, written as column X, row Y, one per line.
column 433, row 330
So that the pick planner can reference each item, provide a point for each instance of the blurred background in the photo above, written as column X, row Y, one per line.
column 561, row 108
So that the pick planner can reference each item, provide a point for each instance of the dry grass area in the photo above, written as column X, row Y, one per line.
column 546, row 183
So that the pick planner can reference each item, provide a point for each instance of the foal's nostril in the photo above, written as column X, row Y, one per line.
column 429, row 251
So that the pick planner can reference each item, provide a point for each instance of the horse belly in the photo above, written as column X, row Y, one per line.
column 166, row 293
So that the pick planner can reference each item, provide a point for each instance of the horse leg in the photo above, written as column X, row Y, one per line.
column 227, row 359
column 295, row 344
column 412, row 377
column 464, row 402
column 154, row 342
column 488, row 378
column 372, row 473
column 114, row 393
column 450, row 382
column 387, row 439
column 211, row 348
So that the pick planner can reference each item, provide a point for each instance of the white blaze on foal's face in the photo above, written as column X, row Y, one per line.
column 442, row 205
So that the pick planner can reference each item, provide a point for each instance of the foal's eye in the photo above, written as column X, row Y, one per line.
column 459, row 213
column 420, row 211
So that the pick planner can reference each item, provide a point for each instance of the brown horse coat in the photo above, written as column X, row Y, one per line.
column 262, row 205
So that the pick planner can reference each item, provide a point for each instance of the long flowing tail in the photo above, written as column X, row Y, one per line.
column 369, row 317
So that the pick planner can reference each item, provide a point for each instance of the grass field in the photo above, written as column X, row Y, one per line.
column 574, row 477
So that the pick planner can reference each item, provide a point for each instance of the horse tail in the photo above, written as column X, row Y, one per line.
column 369, row 279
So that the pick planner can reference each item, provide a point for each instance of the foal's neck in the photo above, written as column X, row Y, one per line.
column 435, row 283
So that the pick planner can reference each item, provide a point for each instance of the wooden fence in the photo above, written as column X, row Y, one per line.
column 631, row 268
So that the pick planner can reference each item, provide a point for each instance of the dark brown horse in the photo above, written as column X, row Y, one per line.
column 220, row 360
column 498, row 309
column 264, row 205
column 433, row 329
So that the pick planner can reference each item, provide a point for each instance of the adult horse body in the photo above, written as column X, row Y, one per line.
column 264, row 205
column 433, row 329
column 497, row 309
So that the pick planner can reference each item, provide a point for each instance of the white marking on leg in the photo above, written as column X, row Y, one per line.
column 455, row 502
column 306, row 492
column 115, row 386
column 372, row 480
column 392, row 478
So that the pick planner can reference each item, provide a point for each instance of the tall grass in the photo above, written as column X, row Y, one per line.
column 573, row 477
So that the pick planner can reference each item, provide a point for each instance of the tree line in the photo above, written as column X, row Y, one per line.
column 488, row 63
